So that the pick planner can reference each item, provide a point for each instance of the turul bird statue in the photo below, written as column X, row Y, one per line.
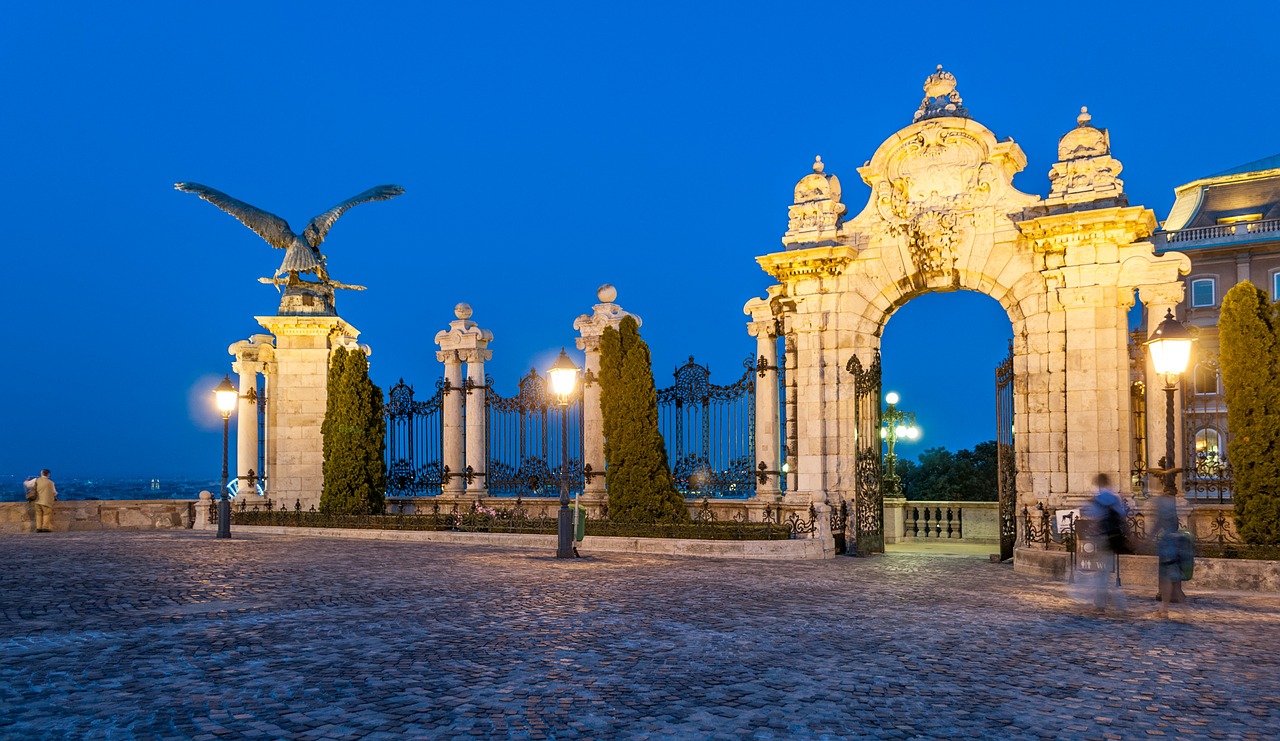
column 301, row 254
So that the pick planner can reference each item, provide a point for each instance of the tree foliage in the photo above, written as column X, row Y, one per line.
column 354, row 433
column 1249, row 339
column 942, row 476
column 636, row 472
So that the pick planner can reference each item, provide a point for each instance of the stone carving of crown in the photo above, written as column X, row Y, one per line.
column 816, row 214
column 940, row 97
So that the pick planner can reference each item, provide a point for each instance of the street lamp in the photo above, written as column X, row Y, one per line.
column 1170, row 347
column 564, row 377
column 226, row 396
column 896, row 424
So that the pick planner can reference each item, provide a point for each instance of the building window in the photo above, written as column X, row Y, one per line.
column 1208, row 453
column 1202, row 293
column 1205, row 380
column 1275, row 286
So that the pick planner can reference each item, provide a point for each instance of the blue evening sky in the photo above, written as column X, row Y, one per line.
column 545, row 149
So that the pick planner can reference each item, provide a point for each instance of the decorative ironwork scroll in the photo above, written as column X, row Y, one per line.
column 1006, row 469
column 868, row 507
column 415, row 430
column 710, row 432
column 523, row 447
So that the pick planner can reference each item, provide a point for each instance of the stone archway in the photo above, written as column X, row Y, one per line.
column 943, row 215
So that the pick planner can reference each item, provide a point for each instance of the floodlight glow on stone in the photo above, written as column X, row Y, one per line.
column 225, row 395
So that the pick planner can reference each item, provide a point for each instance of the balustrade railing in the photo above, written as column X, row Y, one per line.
column 1217, row 231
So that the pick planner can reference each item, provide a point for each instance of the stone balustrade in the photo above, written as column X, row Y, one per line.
column 976, row 523
column 102, row 514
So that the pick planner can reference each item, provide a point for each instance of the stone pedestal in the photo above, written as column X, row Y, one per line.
column 296, row 403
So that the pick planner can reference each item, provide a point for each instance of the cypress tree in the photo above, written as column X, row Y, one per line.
column 1248, row 330
column 354, row 438
column 636, row 475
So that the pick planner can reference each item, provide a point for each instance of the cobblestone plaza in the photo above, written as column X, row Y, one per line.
column 176, row 635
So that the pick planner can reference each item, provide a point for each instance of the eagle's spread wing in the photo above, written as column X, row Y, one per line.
column 319, row 226
column 268, row 226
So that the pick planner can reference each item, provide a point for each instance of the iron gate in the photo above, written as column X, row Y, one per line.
column 524, row 445
column 1006, row 471
column 414, row 433
column 710, row 432
column 868, row 506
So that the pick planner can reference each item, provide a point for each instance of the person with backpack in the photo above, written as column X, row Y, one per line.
column 1106, row 531
column 1173, row 549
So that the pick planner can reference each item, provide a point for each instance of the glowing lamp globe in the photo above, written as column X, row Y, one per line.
column 1170, row 346
column 564, row 376
column 225, row 395
column 891, row 397
column 912, row 433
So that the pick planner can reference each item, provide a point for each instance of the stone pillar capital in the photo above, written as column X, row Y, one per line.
column 604, row 314
column 1165, row 294
column 464, row 338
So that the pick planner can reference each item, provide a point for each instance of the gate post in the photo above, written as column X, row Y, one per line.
column 464, row 341
column 251, row 358
column 591, row 326
column 764, row 327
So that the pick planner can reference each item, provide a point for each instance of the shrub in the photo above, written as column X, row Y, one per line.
column 354, row 438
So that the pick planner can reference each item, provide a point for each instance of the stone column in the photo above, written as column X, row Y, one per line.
column 764, row 327
column 591, row 326
column 251, row 358
column 463, row 445
column 297, row 400
column 452, row 449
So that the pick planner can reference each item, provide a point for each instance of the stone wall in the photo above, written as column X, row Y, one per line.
column 1140, row 571
column 97, row 514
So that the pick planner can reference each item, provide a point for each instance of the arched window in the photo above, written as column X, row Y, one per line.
column 1208, row 452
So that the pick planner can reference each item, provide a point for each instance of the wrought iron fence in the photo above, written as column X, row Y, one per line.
column 710, row 432
column 705, row 524
column 1207, row 473
column 524, row 445
column 415, row 430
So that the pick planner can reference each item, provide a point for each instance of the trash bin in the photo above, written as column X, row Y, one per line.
column 580, row 520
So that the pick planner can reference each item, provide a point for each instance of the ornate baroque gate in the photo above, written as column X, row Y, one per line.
column 524, row 441
column 868, row 508
column 414, row 433
column 1006, row 471
column 710, row 432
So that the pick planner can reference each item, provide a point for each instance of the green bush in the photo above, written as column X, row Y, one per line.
column 1250, row 355
column 637, row 476
column 354, row 438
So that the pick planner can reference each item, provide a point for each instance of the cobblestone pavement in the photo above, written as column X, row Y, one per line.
column 175, row 635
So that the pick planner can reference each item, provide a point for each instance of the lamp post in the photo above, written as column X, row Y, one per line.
column 1170, row 348
column 226, row 396
column 895, row 424
column 564, row 377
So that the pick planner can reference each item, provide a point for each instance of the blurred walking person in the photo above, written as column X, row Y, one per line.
column 1105, row 532
column 1171, row 552
column 46, row 495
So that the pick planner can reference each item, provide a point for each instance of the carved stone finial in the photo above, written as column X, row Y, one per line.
column 462, row 311
column 1084, row 118
column 940, row 97
column 817, row 210
column 606, row 293
column 1085, row 171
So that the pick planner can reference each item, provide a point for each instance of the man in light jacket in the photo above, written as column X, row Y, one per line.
column 46, row 494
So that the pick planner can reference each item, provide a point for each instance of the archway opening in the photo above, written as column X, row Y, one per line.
column 939, row 355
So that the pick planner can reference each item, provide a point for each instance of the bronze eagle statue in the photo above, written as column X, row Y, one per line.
column 301, row 254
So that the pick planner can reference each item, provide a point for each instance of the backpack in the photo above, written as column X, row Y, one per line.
column 1116, row 530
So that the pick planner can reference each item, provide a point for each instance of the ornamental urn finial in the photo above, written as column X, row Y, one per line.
column 940, row 97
